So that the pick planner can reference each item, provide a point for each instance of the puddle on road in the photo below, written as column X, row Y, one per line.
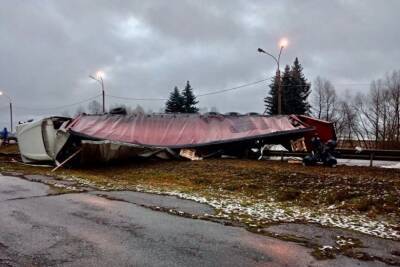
column 331, row 242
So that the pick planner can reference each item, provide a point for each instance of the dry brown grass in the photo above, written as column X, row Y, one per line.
column 9, row 149
column 359, row 189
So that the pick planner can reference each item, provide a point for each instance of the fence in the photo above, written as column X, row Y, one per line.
column 366, row 154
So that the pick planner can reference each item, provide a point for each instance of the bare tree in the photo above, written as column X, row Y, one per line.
column 371, row 118
column 139, row 110
column 214, row 109
column 393, row 86
column 318, row 96
column 385, row 113
column 348, row 122
column 65, row 113
column 80, row 110
column 376, row 114
column 324, row 99
column 95, row 107
column 360, row 106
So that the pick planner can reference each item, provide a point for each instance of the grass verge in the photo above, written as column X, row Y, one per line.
column 257, row 193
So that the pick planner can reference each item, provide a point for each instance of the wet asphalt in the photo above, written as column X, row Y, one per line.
column 38, row 228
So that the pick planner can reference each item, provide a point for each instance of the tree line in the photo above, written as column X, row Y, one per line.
column 294, row 86
column 182, row 102
column 295, row 91
column 179, row 102
column 372, row 119
column 95, row 108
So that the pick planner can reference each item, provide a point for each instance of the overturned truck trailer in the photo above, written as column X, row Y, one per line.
column 102, row 138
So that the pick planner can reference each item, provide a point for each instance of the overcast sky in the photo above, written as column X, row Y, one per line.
column 145, row 48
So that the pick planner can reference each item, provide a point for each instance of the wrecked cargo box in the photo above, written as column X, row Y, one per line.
column 106, row 151
column 102, row 138
column 41, row 141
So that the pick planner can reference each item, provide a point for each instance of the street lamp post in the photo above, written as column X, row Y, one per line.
column 282, row 44
column 99, row 79
column 11, row 110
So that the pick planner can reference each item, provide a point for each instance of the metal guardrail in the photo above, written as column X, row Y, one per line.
column 367, row 154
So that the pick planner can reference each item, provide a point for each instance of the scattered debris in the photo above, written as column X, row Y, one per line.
column 324, row 153
column 299, row 145
column 189, row 154
column 68, row 159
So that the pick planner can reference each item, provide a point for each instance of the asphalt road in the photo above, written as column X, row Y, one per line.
column 83, row 229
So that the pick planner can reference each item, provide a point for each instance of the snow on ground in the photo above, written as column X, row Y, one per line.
column 253, row 213
column 354, row 162
column 395, row 165
column 376, row 163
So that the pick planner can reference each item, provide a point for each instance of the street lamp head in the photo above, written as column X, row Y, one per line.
column 260, row 50
column 100, row 74
column 283, row 42
column 4, row 94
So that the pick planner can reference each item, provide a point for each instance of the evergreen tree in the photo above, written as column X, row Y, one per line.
column 189, row 99
column 300, row 91
column 295, row 91
column 288, row 98
column 271, row 100
column 175, row 102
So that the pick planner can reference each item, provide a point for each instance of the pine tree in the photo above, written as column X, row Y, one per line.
column 271, row 100
column 300, row 91
column 189, row 99
column 175, row 102
column 288, row 98
column 295, row 91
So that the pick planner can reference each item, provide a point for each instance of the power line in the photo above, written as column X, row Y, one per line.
column 142, row 99
column 200, row 95
column 133, row 98
column 234, row 88
column 60, row 107
column 351, row 84
column 336, row 84
column 164, row 99
column 229, row 89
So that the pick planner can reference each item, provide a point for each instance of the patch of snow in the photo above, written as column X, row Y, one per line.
column 242, row 208
column 394, row 166
column 267, row 212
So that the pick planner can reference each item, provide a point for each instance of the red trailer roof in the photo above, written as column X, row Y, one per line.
column 182, row 130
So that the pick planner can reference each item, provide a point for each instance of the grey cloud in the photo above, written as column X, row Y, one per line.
column 48, row 48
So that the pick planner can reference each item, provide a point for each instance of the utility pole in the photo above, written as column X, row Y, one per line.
column 103, row 94
column 278, row 76
column 11, row 117
column 283, row 43
column 99, row 79
column 11, row 110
